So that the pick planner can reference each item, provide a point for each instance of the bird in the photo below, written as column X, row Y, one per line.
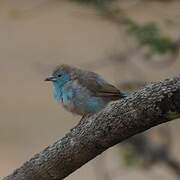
column 80, row 91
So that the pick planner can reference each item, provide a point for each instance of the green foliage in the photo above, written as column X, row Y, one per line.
column 97, row 3
column 129, row 156
column 149, row 34
column 173, row 115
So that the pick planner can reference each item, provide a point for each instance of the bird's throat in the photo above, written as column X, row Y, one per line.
column 57, row 91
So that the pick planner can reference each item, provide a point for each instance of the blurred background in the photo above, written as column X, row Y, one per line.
column 129, row 42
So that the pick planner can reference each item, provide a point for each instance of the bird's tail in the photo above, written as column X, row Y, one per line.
column 124, row 94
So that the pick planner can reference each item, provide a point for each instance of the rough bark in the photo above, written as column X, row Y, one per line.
column 155, row 104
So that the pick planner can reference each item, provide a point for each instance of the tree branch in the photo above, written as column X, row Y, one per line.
column 155, row 104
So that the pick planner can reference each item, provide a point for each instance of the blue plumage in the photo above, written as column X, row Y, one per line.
column 82, row 92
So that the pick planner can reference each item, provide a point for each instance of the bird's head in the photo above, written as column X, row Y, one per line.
column 60, row 76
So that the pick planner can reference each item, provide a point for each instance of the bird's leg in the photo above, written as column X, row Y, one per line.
column 85, row 116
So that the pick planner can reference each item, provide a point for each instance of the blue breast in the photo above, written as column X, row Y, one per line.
column 94, row 104
column 67, row 96
column 90, row 104
column 57, row 92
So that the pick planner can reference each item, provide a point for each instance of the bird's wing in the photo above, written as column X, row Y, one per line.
column 99, row 87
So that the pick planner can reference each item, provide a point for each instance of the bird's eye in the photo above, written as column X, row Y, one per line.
column 59, row 75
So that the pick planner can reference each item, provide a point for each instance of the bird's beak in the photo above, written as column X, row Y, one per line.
column 50, row 78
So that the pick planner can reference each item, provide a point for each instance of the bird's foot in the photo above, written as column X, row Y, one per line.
column 85, row 117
